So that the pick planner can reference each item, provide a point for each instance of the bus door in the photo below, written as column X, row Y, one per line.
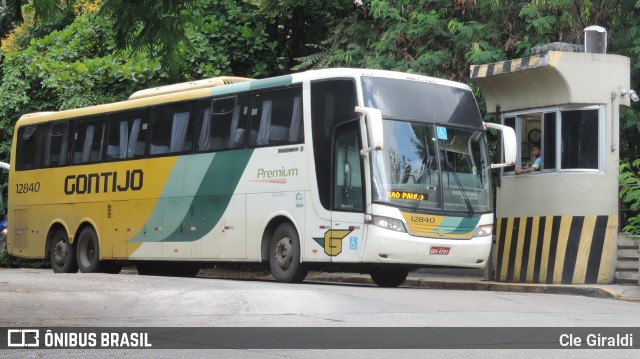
column 344, row 242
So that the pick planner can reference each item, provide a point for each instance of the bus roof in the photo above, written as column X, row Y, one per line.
column 227, row 84
column 357, row 72
column 186, row 86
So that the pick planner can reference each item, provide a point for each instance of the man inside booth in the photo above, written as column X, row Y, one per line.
column 537, row 165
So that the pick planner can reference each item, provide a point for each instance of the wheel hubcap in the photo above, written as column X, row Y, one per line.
column 86, row 253
column 61, row 253
column 283, row 253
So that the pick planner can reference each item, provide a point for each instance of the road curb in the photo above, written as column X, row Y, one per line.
column 457, row 284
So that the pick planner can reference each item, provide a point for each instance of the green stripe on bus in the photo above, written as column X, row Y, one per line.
column 251, row 85
column 458, row 225
column 270, row 82
column 207, row 183
column 229, row 89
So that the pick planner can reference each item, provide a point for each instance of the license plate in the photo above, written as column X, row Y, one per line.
column 439, row 251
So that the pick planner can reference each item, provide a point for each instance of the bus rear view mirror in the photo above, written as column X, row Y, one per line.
column 374, row 128
column 508, row 144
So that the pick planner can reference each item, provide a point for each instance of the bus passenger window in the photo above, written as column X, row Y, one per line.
column 29, row 147
column 88, row 141
column 127, row 135
column 56, row 145
column 215, row 123
column 171, row 129
column 238, row 124
column 276, row 118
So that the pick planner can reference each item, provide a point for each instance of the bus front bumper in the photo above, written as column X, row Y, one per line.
column 386, row 246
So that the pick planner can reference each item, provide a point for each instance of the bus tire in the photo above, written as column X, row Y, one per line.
column 62, row 254
column 284, row 255
column 88, row 251
column 389, row 278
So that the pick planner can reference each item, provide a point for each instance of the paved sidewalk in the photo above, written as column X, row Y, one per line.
column 443, row 280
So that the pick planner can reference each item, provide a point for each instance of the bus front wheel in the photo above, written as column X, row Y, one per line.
column 62, row 255
column 88, row 252
column 389, row 278
column 284, row 255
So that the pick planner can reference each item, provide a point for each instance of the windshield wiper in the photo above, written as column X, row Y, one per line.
column 425, row 170
column 449, row 167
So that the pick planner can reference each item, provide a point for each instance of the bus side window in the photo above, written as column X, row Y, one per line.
column 217, row 118
column 276, row 117
column 333, row 102
column 88, row 140
column 238, row 126
column 127, row 135
column 347, row 189
column 172, row 128
column 56, row 144
column 29, row 147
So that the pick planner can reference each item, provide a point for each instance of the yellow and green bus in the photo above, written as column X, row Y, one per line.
column 338, row 169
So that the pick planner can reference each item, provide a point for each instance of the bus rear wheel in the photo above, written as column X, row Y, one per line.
column 88, row 251
column 284, row 255
column 389, row 278
column 62, row 255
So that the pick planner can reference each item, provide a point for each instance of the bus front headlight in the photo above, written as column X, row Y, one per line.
column 483, row 231
column 389, row 223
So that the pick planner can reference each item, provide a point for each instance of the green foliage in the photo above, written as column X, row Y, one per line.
column 8, row 261
column 69, row 68
column 81, row 65
column 151, row 26
column 630, row 194
column 228, row 39
column 296, row 26
column 425, row 36
column 62, row 61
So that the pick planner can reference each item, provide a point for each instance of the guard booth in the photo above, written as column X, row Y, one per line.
column 559, row 224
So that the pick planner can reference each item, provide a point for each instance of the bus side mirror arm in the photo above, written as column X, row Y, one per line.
column 373, row 117
column 508, row 144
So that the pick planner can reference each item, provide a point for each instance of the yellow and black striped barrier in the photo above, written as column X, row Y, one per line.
column 556, row 249
column 497, row 68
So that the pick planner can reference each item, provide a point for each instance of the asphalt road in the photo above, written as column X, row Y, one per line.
column 40, row 298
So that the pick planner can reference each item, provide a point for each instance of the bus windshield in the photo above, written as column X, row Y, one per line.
column 433, row 159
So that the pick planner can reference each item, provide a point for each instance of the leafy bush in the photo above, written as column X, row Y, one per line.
column 630, row 194
column 8, row 261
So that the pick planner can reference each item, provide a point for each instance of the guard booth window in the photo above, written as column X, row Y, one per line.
column 568, row 138
column 549, row 140
column 580, row 139
column 511, row 122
